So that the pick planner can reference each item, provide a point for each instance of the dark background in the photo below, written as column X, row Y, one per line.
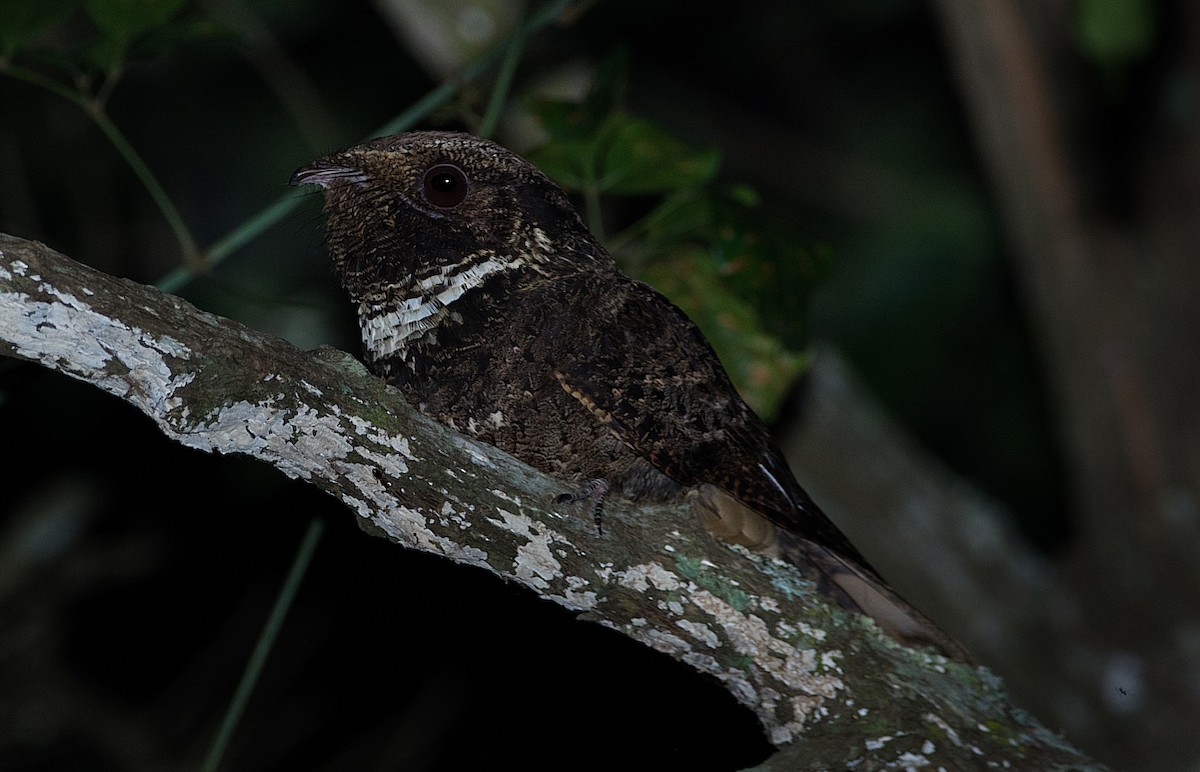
column 135, row 574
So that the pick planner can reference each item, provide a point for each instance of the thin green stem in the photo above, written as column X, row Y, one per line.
column 94, row 109
column 48, row 83
column 235, row 240
column 657, row 215
column 504, row 81
column 111, row 78
column 417, row 112
column 187, row 244
column 266, row 639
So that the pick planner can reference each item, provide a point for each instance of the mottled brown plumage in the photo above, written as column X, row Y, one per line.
column 485, row 299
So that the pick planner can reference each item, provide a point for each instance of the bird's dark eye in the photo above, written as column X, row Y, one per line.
column 445, row 186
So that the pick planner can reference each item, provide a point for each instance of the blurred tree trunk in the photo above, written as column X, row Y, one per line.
column 1114, row 296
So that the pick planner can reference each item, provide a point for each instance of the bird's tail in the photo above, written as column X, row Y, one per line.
column 862, row 590
column 850, row 585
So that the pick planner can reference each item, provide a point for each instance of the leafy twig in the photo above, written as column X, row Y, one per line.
column 93, row 107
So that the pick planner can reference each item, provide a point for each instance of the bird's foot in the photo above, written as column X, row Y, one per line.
column 593, row 491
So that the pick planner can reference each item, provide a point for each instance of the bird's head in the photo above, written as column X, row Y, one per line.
column 411, row 208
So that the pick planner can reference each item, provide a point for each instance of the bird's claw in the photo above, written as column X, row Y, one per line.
column 593, row 491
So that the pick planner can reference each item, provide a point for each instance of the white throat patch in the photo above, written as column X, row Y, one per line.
column 387, row 327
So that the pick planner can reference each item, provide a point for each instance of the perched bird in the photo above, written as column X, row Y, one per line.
column 486, row 300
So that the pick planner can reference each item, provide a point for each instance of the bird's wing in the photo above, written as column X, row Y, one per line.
column 642, row 367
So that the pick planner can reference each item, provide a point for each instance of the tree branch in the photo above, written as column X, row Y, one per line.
column 824, row 684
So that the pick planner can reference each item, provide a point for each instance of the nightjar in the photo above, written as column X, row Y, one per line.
column 486, row 300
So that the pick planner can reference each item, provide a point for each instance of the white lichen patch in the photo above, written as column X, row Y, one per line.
column 534, row 563
column 67, row 334
column 792, row 670
column 641, row 577
column 796, row 669
column 748, row 694
column 768, row 699
column 707, row 663
column 942, row 724
column 506, row 496
column 478, row 457
column 299, row 441
column 452, row 513
column 360, row 507
column 574, row 598
column 363, row 478
column 790, row 630
column 396, row 443
column 702, row 633
column 667, row 643
column 306, row 443
column 407, row 526
column 909, row 760
column 877, row 743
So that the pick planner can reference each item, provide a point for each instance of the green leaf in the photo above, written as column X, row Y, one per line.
column 569, row 157
column 182, row 32
column 123, row 22
column 641, row 158
column 617, row 153
column 23, row 21
column 1113, row 32
column 761, row 367
column 128, row 19
column 582, row 121
column 682, row 216
column 564, row 121
column 744, row 195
